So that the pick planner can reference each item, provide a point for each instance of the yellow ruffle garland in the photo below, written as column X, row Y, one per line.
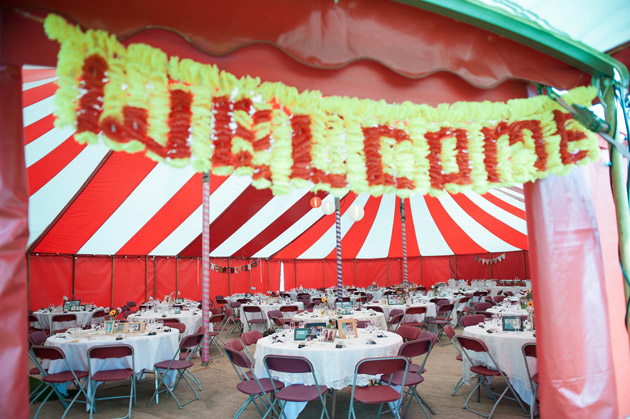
column 137, row 99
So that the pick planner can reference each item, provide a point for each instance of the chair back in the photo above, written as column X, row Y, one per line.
column 234, row 304
column 64, row 318
column 499, row 298
column 445, row 309
column 472, row 320
column 37, row 338
column 288, row 364
column 110, row 351
column 252, row 309
column 221, row 301
column 131, row 304
column 450, row 332
column 215, row 310
column 482, row 306
column 362, row 324
column 180, row 327
column 396, row 319
column 408, row 332
column 244, row 300
column 414, row 348
column 217, row 318
column 416, row 310
column 345, row 299
column 529, row 350
column 169, row 320
column 471, row 344
column 251, row 337
column 376, row 308
column 428, row 335
column 191, row 341
column 274, row 313
column 317, row 300
column 238, row 359
column 50, row 353
column 508, row 293
column 382, row 365
column 235, row 345
column 395, row 312
column 288, row 309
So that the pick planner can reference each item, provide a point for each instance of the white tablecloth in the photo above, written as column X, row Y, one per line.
column 45, row 318
column 265, row 309
column 505, row 348
column 371, row 316
column 191, row 319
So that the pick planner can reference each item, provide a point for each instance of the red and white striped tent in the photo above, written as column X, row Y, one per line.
column 110, row 227
column 86, row 200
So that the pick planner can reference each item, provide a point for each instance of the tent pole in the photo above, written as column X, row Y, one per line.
column 620, row 193
column 338, row 233
column 524, row 265
column 74, row 270
column 295, row 273
column 404, row 242
column 112, row 281
column 421, row 272
column 176, row 276
column 205, row 269
column 146, row 278
column 28, row 280
column 355, row 272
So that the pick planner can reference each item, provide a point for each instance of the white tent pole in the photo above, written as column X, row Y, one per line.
column 205, row 269
column 404, row 240
column 338, row 231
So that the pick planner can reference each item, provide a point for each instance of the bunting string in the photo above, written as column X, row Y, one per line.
column 233, row 270
column 490, row 261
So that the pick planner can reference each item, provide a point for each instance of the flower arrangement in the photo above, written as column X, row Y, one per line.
column 113, row 313
column 324, row 299
column 527, row 300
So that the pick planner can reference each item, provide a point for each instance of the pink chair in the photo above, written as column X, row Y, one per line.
column 408, row 333
column 250, row 384
column 250, row 313
column 472, row 320
column 250, row 338
column 483, row 372
column 395, row 319
column 379, row 394
column 295, row 392
column 178, row 326
column 104, row 376
column 414, row 311
column 450, row 332
column 499, row 299
column 376, row 308
column 529, row 351
column 64, row 319
column 362, row 324
column 443, row 318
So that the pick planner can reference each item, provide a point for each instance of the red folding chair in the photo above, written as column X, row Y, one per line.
column 296, row 392
column 54, row 380
column 250, row 313
column 468, row 343
column 381, row 394
column 36, row 338
column 529, row 351
column 64, row 321
column 250, row 384
column 395, row 319
column 472, row 320
column 450, row 332
column 250, row 338
column 179, row 367
column 442, row 318
column 408, row 333
column 414, row 311
column 96, row 378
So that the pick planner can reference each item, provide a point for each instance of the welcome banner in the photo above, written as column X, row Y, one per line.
column 178, row 111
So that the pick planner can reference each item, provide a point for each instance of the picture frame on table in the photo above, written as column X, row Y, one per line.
column 110, row 326
column 345, row 307
column 347, row 328
column 179, row 300
column 67, row 305
column 300, row 333
column 121, row 327
column 77, row 308
column 329, row 335
column 395, row 299
column 135, row 327
column 512, row 323
column 177, row 310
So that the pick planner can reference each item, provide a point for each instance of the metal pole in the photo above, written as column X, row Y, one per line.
column 176, row 276
column 620, row 193
column 205, row 269
column 146, row 278
column 112, row 281
column 404, row 240
column 74, row 270
column 338, row 233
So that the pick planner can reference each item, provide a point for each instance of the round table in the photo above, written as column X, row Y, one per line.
column 265, row 308
column 505, row 348
column 508, row 310
column 376, row 318
column 44, row 317
column 191, row 319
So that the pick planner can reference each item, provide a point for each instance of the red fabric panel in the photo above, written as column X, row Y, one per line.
column 219, row 284
column 189, row 278
column 278, row 226
column 414, row 270
column 395, row 243
column 394, row 269
column 469, row 268
column 129, row 280
column 330, row 273
column 93, row 280
column 509, row 268
column 493, row 225
column 504, row 205
column 604, row 204
column 309, row 274
column 347, row 269
column 38, row 93
column 528, row 272
column 150, row 273
column 112, row 184
column 318, row 33
column 13, row 241
column 38, row 128
column 259, row 275
column 166, row 272
column 435, row 269
column 355, row 237
column 49, row 166
column 412, row 241
column 239, row 282
column 167, row 219
column 50, row 279
column 273, row 281
column 37, row 74
column 370, row 271
column 577, row 377
column 274, row 277
column 457, row 240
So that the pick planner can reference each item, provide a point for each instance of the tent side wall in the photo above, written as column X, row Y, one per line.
column 112, row 281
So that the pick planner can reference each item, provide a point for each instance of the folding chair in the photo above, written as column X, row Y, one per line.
column 472, row 320
column 96, row 378
column 376, row 308
column 249, row 312
column 529, row 351
column 409, row 350
column 254, row 387
column 468, row 343
column 450, row 332
column 442, row 318
column 289, row 309
column 414, row 311
column 295, row 392
column 250, row 338
column 163, row 368
column 33, row 323
column 233, row 316
column 408, row 333
column 53, row 380
column 36, row 338
column 62, row 318
column 99, row 316
column 383, row 393
column 395, row 319
column 277, row 321
column 214, row 336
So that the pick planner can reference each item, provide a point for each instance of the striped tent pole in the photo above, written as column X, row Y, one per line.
column 205, row 269
column 338, row 231
column 404, row 240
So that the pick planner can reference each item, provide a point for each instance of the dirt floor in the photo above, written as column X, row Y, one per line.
column 221, row 399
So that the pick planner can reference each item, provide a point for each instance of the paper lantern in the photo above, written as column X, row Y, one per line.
column 316, row 202
column 328, row 207
column 356, row 212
